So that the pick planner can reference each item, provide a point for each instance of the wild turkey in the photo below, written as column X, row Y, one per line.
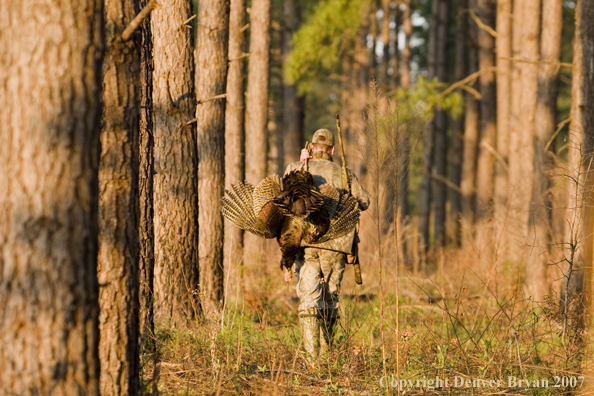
column 291, row 210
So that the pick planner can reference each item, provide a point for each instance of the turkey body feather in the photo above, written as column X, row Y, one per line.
column 291, row 210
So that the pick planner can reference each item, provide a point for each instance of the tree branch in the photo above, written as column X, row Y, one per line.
column 138, row 19
column 496, row 155
column 465, row 81
column 221, row 96
column 482, row 25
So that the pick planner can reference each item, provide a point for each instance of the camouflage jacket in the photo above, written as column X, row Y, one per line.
column 326, row 171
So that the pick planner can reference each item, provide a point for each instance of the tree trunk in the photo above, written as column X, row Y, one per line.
column 440, row 126
column 574, row 178
column 471, row 128
column 457, row 131
column 406, row 53
column 545, row 126
column 428, row 141
column 292, row 130
column 580, row 216
column 175, row 190
column 488, row 128
column 385, row 35
column 373, row 34
column 515, row 136
column 503, row 46
column 405, row 83
column 118, row 205
column 49, row 153
column 146, row 231
column 234, row 124
column 256, row 126
column 522, row 147
column 587, row 36
column 211, row 80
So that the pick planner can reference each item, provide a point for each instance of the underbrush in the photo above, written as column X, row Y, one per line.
column 454, row 329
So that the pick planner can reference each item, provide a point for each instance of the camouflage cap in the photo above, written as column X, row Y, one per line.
column 323, row 136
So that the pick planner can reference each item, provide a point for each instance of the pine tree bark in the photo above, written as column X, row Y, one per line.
column 118, row 205
column 488, row 128
column 385, row 36
column 471, row 130
column 545, row 126
column 256, row 126
column 146, row 231
column 50, row 96
column 457, row 132
column 574, row 178
column 234, row 124
column 405, row 83
column 580, row 209
column 514, row 159
column 428, row 140
column 373, row 33
column 521, row 174
column 175, row 185
column 406, row 53
column 440, row 126
column 292, row 130
column 504, row 53
column 587, row 37
column 211, row 80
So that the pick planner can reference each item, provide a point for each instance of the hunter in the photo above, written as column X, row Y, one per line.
column 319, row 267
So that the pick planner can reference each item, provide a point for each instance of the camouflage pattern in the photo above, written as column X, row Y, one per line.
column 310, row 328
column 323, row 136
column 320, row 267
column 319, row 274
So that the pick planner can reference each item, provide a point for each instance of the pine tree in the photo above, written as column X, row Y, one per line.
column 49, row 154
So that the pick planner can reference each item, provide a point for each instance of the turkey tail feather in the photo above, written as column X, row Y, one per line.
column 237, row 207
column 345, row 219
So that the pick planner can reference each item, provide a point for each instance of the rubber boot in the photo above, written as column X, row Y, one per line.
column 328, row 322
column 310, row 330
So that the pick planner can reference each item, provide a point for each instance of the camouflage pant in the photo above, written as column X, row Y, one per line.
column 319, row 273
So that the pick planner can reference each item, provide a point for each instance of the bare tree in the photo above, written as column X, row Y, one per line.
column 118, row 205
column 175, row 194
column 49, row 153
column 211, row 81
column 234, row 123
column 256, row 148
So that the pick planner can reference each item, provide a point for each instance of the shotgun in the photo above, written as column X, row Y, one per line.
column 352, row 258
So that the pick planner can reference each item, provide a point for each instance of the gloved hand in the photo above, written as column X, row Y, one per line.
column 304, row 155
column 288, row 275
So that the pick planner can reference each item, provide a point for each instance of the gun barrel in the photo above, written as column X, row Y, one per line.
column 345, row 177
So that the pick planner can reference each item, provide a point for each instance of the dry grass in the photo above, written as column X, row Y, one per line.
column 455, row 321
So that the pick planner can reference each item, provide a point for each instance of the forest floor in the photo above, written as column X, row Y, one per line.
column 481, row 337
